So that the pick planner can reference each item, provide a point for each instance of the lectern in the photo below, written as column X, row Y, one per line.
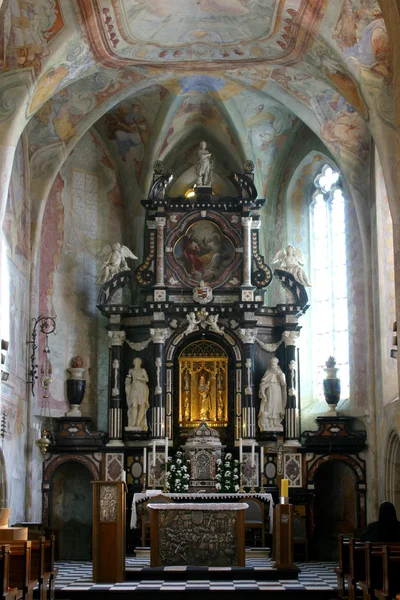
column 109, row 514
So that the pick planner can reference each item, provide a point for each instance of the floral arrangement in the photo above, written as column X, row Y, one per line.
column 76, row 362
column 178, row 473
column 227, row 474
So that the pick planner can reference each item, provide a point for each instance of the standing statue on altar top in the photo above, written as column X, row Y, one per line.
column 204, row 166
column 205, row 398
column 137, row 396
column 273, row 398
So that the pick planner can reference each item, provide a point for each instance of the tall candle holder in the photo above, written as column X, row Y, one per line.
column 262, row 489
column 253, row 474
column 144, row 484
column 241, row 488
column 165, row 488
column 153, row 477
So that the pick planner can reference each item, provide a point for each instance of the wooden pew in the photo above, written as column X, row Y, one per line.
column 391, row 575
column 49, row 553
column 344, row 565
column 356, row 567
column 20, row 569
column 7, row 593
column 373, row 567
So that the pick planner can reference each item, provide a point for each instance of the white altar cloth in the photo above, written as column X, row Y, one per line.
column 205, row 506
column 140, row 497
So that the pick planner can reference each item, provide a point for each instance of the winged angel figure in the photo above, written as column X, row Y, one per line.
column 116, row 262
column 292, row 261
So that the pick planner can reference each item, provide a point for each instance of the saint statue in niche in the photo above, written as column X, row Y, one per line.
column 273, row 398
column 204, row 166
column 137, row 396
column 204, row 397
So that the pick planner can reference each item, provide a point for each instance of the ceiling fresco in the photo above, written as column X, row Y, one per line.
column 246, row 75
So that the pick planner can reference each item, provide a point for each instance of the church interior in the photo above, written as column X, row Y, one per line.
column 199, row 288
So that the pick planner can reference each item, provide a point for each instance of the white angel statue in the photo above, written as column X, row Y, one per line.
column 115, row 263
column 192, row 323
column 212, row 321
column 292, row 261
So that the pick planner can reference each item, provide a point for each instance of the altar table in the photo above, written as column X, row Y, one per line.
column 141, row 497
column 197, row 534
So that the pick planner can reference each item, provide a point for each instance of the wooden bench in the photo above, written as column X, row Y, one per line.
column 356, row 568
column 390, row 573
column 20, row 569
column 7, row 593
column 344, row 565
column 373, row 568
column 49, row 553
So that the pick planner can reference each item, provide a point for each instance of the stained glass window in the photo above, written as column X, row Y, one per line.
column 329, row 278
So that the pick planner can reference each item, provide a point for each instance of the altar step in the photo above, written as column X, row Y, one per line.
column 209, row 573
column 144, row 552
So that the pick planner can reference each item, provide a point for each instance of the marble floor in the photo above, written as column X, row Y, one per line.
column 315, row 579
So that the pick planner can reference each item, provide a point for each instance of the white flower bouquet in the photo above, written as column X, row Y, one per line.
column 227, row 474
column 178, row 476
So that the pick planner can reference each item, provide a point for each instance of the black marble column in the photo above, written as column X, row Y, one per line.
column 115, row 387
column 158, row 417
column 291, row 412
column 248, row 404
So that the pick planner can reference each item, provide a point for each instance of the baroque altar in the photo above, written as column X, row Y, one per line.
column 200, row 349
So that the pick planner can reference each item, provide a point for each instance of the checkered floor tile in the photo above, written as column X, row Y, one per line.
column 77, row 576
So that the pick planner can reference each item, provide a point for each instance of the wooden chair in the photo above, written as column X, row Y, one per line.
column 254, row 517
column 299, row 535
column 344, row 565
column 391, row 575
column 20, row 569
column 146, row 513
column 6, row 592
column 49, row 552
column 373, row 568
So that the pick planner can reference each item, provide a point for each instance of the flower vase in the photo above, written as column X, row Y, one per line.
column 75, row 391
column 331, row 388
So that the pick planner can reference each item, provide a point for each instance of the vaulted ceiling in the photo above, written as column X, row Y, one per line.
column 156, row 77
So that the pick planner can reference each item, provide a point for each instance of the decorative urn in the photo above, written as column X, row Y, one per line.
column 331, row 384
column 75, row 386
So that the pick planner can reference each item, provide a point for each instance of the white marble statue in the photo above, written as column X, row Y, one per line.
column 204, row 166
column 115, row 263
column 273, row 398
column 137, row 396
column 292, row 261
column 212, row 321
column 192, row 323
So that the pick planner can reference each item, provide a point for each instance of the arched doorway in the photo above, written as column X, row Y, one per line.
column 336, row 506
column 71, row 511
column 392, row 479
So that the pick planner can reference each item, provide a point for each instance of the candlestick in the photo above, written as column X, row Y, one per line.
column 253, row 474
column 154, row 453
column 145, row 460
column 165, row 488
column 240, row 450
column 284, row 488
column 166, row 450
column 241, row 488
column 262, row 490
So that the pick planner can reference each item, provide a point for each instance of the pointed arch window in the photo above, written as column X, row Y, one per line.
column 330, row 336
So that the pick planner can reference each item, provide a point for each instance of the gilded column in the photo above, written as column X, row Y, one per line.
column 115, row 387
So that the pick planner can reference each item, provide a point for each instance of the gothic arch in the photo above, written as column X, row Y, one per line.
column 392, row 466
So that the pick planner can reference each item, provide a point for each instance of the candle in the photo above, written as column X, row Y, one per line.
column 262, row 459
column 154, row 453
column 144, row 461
column 123, row 476
column 240, row 450
column 166, row 450
column 285, row 488
column 253, row 446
